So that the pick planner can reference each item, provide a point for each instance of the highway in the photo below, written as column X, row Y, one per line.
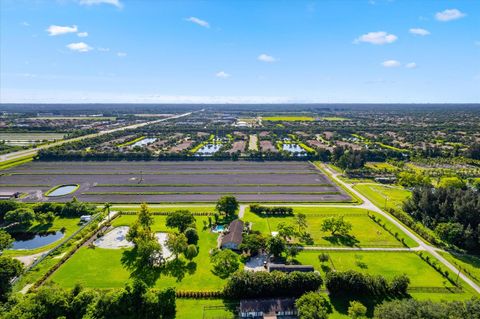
column 33, row 151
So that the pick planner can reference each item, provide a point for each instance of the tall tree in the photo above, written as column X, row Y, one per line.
column 227, row 205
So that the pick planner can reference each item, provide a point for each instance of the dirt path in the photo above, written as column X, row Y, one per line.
column 419, row 248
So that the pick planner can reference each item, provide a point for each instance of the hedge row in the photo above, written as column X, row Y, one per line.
column 438, row 268
column 378, row 221
column 416, row 226
column 168, row 213
column 274, row 210
column 199, row 294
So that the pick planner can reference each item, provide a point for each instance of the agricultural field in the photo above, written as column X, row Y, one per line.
column 291, row 118
column 175, row 182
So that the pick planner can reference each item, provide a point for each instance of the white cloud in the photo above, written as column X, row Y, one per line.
column 121, row 54
column 54, row 30
column 103, row 49
column 391, row 64
column 79, row 47
column 411, row 65
column 266, row 58
column 198, row 21
column 379, row 37
column 419, row 31
column 222, row 74
column 82, row 34
column 115, row 3
column 449, row 14
column 25, row 24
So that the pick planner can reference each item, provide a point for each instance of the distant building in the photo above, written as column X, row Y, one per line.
column 85, row 218
column 289, row 268
column 234, row 237
column 268, row 308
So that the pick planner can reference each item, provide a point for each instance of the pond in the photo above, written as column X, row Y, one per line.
column 34, row 240
column 208, row 150
column 294, row 148
column 144, row 142
column 62, row 190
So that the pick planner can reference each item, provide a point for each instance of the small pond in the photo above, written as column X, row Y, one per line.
column 208, row 150
column 34, row 240
column 62, row 190
column 144, row 142
column 294, row 148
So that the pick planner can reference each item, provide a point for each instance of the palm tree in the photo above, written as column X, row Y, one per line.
column 106, row 208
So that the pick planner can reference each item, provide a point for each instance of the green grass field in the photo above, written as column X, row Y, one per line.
column 380, row 194
column 381, row 166
column 70, row 225
column 365, row 232
column 468, row 264
column 334, row 118
column 87, row 264
column 387, row 264
column 287, row 118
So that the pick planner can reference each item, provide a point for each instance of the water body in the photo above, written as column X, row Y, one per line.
column 144, row 142
column 63, row 190
column 294, row 148
column 33, row 240
column 208, row 150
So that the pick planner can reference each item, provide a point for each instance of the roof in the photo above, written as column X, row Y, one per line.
column 290, row 268
column 267, row 305
column 234, row 235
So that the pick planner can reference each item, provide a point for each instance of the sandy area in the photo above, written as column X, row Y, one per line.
column 114, row 239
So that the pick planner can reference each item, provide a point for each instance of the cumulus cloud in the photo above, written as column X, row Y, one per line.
column 419, row 31
column 222, row 75
column 198, row 21
column 79, row 47
column 378, row 38
column 54, row 30
column 411, row 65
column 266, row 58
column 115, row 3
column 449, row 15
column 391, row 64
column 121, row 54
column 82, row 34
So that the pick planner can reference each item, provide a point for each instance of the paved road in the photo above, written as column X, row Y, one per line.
column 19, row 154
column 363, row 248
column 432, row 250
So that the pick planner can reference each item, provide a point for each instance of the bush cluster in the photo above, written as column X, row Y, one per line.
column 356, row 284
column 249, row 284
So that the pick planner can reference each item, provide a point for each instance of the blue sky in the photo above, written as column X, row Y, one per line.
column 383, row 51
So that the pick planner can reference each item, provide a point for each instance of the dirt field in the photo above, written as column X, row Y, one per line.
column 168, row 182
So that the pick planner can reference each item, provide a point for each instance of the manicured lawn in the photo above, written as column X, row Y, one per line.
column 387, row 264
column 468, row 264
column 366, row 233
column 380, row 195
column 70, row 225
column 102, row 268
column 205, row 309
column 288, row 118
